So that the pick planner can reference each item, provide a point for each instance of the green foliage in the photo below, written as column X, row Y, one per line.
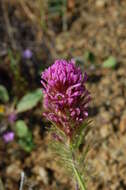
column 80, row 135
column 59, row 147
column 1, row 185
column 29, row 101
column 62, row 154
column 111, row 62
column 14, row 66
column 56, row 6
column 15, row 69
column 89, row 56
column 24, row 135
column 27, row 143
column 21, row 129
column 68, row 151
column 4, row 97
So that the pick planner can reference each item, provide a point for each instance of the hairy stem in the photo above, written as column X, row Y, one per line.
column 79, row 178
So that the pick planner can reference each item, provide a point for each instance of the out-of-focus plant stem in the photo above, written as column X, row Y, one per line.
column 43, row 7
column 64, row 17
column 1, row 185
column 22, row 181
column 8, row 25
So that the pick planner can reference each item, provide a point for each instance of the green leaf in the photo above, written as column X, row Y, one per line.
column 21, row 129
column 3, row 94
column 80, row 134
column 28, row 147
column 111, row 62
column 27, row 143
column 89, row 56
column 28, row 138
column 29, row 101
column 56, row 7
column 79, row 137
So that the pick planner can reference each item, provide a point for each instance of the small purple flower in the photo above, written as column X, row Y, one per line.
column 12, row 117
column 65, row 95
column 8, row 137
column 27, row 54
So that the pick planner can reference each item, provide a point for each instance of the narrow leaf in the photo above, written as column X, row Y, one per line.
column 79, row 137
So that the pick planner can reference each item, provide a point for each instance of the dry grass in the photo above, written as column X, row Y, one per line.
column 32, row 11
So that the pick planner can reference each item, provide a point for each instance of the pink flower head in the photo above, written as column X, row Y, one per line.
column 65, row 95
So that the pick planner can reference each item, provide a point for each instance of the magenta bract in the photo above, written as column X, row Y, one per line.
column 65, row 95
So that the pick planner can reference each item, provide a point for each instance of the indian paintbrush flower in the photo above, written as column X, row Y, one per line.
column 65, row 102
column 65, row 95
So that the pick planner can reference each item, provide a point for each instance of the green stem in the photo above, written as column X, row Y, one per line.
column 79, row 178
column 1, row 185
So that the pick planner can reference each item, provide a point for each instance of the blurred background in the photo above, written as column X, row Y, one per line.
column 33, row 33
